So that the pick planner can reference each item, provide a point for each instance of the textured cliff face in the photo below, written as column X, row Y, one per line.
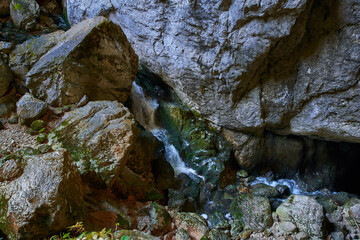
column 288, row 66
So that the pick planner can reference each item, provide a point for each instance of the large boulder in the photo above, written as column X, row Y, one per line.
column 45, row 199
column 5, row 78
column 100, row 136
column 24, row 13
column 254, row 212
column 306, row 213
column 25, row 55
column 193, row 223
column 93, row 58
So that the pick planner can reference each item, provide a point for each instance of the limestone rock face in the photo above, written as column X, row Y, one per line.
column 24, row 13
column 93, row 58
column 249, row 65
column 25, row 55
column 208, row 51
column 46, row 198
column 100, row 136
column 305, row 212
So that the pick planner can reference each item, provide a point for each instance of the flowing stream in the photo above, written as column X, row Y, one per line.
column 144, row 109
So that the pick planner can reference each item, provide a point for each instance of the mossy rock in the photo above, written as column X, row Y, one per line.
column 41, row 138
column 28, row 151
column 37, row 125
column 160, row 219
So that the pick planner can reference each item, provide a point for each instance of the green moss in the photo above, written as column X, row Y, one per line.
column 4, row 226
column 37, row 125
column 17, row 7
column 122, row 222
column 41, row 138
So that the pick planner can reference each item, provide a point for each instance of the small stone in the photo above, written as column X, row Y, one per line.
column 302, row 236
column 6, row 47
column 287, row 227
column 216, row 234
column 83, row 101
column 337, row 236
column 28, row 151
column 245, row 234
column 37, row 125
column 41, row 138
column 24, row 13
column 43, row 148
column 10, row 170
column 30, row 108
column 264, row 190
column 242, row 174
column 13, row 119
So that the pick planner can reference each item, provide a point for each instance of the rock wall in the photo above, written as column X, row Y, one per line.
column 289, row 66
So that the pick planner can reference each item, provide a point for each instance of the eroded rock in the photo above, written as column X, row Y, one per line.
column 93, row 58
column 30, row 109
column 25, row 55
column 100, row 136
column 47, row 197
column 24, row 13
column 253, row 211
column 306, row 213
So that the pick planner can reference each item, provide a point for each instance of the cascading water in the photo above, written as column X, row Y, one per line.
column 144, row 109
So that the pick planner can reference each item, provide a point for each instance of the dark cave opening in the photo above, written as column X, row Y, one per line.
column 314, row 163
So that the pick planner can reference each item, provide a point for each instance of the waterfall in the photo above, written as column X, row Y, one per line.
column 144, row 109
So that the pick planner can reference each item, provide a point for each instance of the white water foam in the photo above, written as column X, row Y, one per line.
column 144, row 108
column 293, row 186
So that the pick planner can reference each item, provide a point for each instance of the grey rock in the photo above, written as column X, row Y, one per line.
column 302, row 236
column 216, row 234
column 83, row 101
column 203, row 36
column 5, row 78
column 24, row 13
column 6, row 47
column 337, row 235
column 305, row 212
column 248, row 149
column 182, row 234
column 100, row 136
column 43, row 148
column 287, row 227
column 10, row 170
column 253, row 211
column 193, row 223
column 264, row 190
column 13, row 119
column 93, row 58
column 5, row 7
column 160, row 219
column 30, row 109
column 47, row 197
column 25, row 55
